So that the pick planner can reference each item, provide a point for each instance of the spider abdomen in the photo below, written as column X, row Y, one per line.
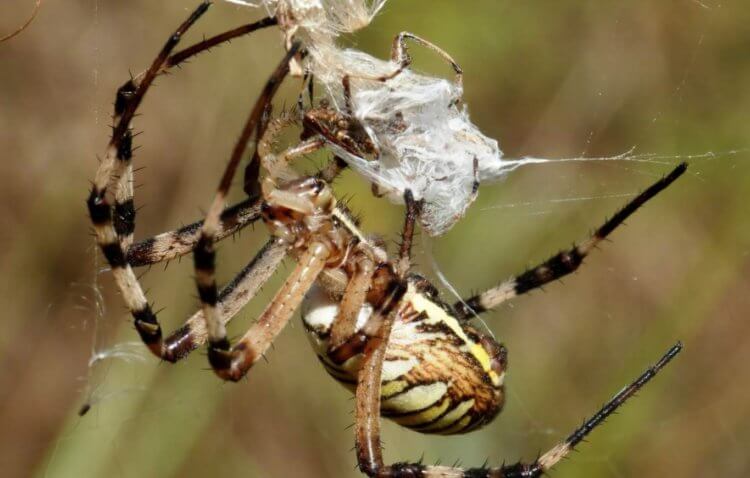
column 439, row 376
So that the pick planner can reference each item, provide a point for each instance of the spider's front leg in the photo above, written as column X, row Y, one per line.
column 367, row 425
column 346, row 341
column 129, row 96
column 114, row 234
column 114, row 224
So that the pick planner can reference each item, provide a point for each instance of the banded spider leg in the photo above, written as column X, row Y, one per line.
column 400, row 56
column 232, row 363
column 114, row 226
column 563, row 263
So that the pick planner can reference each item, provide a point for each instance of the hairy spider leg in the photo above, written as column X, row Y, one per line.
column 413, row 210
column 367, row 396
column 125, row 212
column 232, row 363
column 111, row 169
column 344, row 325
column 173, row 244
column 562, row 263
column 251, row 179
column 114, row 233
column 204, row 255
column 230, row 300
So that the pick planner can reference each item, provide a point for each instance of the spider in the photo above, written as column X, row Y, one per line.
column 376, row 325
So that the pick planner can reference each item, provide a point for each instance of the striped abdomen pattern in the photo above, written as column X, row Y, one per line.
column 439, row 375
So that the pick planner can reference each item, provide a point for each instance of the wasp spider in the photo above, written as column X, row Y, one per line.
column 376, row 326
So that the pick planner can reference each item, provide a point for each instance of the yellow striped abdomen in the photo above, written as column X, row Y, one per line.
column 439, row 376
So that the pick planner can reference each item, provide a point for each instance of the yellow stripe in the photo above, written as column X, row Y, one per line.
column 416, row 398
column 436, row 314
column 425, row 416
column 393, row 387
column 458, row 427
column 451, row 417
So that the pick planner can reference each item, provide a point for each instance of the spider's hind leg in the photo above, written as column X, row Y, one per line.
column 560, row 264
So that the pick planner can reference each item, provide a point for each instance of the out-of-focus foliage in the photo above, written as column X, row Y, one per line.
column 546, row 78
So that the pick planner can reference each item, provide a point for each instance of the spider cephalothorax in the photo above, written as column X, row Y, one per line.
column 376, row 325
column 299, row 209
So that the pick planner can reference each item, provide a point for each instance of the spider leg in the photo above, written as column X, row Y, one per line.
column 367, row 421
column 230, row 301
column 308, row 81
column 232, row 363
column 114, row 231
column 563, row 263
column 216, row 40
column 346, row 84
column 204, row 253
column 413, row 210
column 251, row 181
column 311, row 89
column 518, row 470
column 124, row 218
column 113, row 168
column 172, row 244
column 345, row 343
column 400, row 56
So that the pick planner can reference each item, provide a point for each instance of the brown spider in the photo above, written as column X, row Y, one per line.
column 376, row 325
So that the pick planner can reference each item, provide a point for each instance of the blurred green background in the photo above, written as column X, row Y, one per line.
column 546, row 78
